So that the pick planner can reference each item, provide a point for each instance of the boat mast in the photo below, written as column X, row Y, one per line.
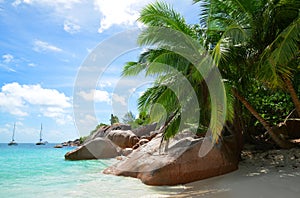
column 41, row 132
column 13, row 135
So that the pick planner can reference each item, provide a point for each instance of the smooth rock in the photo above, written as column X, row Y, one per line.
column 123, row 139
column 58, row 146
column 179, row 164
column 99, row 148
column 103, row 131
column 144, row 130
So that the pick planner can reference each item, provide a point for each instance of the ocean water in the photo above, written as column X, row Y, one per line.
column 28, row 170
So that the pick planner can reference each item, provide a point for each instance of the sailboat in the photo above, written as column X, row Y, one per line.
column 12, row 142
column 41, row 140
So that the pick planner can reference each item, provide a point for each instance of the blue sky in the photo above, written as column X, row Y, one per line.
column 43, row 44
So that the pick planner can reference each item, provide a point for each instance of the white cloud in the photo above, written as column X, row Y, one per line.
column 87, row 119
column 41, row 46
column 105, row 84
column 118, row 12
column 119, row 99
column 16, row 99
column 16, row 3
column 66, row 4
column 36, row 95
column 70, row 27
column 7, row 58
column 95, row 95
column 77, row 15
column 58, row 114
column 31, row 65
column 12, row 105
column 140, row 93
column 112, row 12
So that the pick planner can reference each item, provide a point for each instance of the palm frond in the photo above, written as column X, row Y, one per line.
column 233, row 36
column 149, row 97
column 167, row 61
column 133, row 68
column 160, row 14
column 275, row 59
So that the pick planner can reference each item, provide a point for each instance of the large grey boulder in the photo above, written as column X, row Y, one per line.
column 179, row 164
column 99, row 148
column 122, row 138
column 144, row 130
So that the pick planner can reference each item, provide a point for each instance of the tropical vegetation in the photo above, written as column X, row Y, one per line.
column 255, row 46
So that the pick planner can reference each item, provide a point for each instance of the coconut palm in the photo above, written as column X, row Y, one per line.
column 271, row 31
column 162, row 15
column 232, row 32
column 258, row 34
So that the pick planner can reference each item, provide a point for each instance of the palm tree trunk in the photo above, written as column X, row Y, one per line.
column 293, row 94
column 276, row 138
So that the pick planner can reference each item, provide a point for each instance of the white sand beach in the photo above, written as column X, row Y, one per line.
column 269, row 174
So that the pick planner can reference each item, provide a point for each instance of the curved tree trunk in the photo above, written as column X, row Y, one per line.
column 276, row 138
column 291, row 90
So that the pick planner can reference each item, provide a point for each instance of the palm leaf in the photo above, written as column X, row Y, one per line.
column 132, row 68
column 275, row 58
column 161, row 14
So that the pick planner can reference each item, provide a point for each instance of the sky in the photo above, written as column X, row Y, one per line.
column 45, row 51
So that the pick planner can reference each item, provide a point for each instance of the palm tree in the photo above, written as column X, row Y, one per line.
column 178, row 68
column 271, row 30
column 235, row 29
column 231, row 32
column 279, row 58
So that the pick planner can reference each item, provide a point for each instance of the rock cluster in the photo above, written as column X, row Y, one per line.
column 68, row 143
column 144, row 157
column 123, row 139
column 179, row 164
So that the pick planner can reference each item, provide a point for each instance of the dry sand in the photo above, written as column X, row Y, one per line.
column 269, row 174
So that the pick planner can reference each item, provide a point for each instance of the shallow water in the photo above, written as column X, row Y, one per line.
column 28, row 170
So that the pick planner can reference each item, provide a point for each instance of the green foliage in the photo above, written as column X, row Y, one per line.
column 97, row 127
column 276, row 58
column 142, row 119
column 113, row 119
column 273, row 106
column 251, row 42
column 82, row 139
column 128, row 118
column 160, row 14
column 260, row 41
column 168, row 99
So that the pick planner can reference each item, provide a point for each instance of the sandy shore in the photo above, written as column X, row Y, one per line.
column 269, row 174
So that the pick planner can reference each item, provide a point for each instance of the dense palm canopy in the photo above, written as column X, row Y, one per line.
column 250, row 42
column 266, row 33
column 262, row 40
column 171, row 68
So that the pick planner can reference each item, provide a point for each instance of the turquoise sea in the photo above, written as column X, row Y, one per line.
column 28, row 170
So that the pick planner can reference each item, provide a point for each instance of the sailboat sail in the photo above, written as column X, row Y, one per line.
column 41, row 139
column 41, row 133
column 13, row 135
column 12, row 142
